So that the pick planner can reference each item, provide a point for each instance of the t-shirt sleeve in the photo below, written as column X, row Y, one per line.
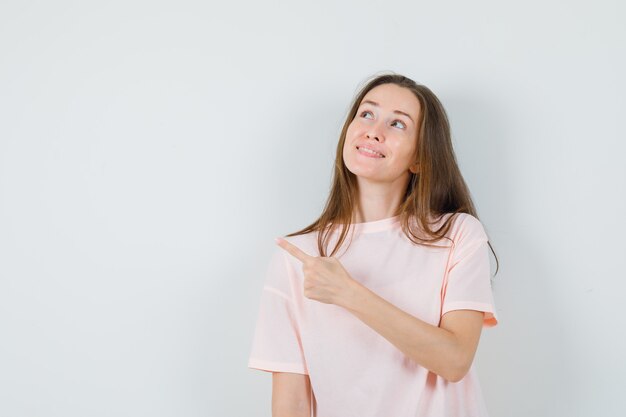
column 277, row 344
column 468, row 284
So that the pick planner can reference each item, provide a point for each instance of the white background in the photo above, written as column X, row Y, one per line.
column 150, row 151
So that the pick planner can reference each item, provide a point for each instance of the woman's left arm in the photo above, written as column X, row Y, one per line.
column 447, row 350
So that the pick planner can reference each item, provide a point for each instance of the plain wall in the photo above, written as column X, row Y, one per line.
column 151, row 151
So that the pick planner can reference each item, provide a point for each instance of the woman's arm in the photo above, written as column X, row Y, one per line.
column 291, row 395
column 447, row 350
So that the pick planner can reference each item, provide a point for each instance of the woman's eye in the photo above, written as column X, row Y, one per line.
column 402, row 123
column 398, row 121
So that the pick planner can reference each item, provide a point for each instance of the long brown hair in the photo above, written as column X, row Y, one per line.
column 438, row 188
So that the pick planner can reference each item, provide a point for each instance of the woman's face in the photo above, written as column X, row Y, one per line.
column 385, row 122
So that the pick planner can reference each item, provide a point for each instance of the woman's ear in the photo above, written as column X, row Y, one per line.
column 414, row 168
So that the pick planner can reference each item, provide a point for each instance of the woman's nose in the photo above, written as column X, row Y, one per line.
column 375, row 133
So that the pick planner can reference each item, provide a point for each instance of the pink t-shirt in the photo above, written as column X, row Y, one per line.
column 354, row 371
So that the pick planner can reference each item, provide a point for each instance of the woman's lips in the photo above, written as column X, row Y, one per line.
column 369, row 154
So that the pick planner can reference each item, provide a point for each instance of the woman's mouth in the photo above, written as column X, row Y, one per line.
column 369, row 153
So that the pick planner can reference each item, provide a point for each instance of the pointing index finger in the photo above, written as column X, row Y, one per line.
column 293, row 249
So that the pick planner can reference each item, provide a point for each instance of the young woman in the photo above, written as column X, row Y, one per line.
column 386, row 323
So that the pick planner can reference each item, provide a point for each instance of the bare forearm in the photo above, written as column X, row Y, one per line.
column 434, row 348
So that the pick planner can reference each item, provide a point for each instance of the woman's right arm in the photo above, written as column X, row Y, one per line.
column 291, row 395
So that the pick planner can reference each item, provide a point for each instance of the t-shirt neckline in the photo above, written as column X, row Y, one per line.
column 377, row 225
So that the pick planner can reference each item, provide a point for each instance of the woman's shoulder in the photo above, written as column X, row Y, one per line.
column 466, row 225
column 467, row 219
column 461, row 223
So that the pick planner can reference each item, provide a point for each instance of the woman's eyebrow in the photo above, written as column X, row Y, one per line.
column 373, row 103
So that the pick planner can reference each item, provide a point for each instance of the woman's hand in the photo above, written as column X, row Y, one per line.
column 325, row 279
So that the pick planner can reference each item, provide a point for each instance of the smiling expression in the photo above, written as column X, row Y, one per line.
column 381, row 140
